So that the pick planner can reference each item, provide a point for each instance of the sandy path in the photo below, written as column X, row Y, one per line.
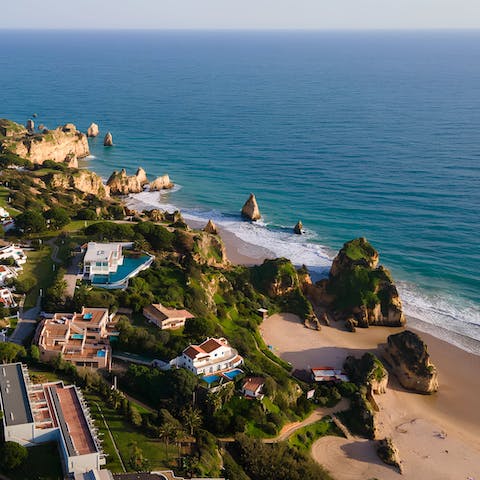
column 413, row 421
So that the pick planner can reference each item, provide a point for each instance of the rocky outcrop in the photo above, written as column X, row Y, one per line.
column 11, row 129
column 369, row 371
column 388, row 453
column 358, row 291
column 298, row 228
column 211, row 228
column 82, row 180
column 157, row 215
column 122, row 184
column 108, row 140
column 161, row 183
column 92, row 130
column 30, row 126
column 407, row 355
column 250, row 209
column 209, row 249
column 60, row 145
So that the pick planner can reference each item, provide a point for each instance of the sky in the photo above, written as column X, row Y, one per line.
column 240, row 14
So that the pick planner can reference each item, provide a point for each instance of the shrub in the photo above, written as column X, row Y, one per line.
column 12, row 455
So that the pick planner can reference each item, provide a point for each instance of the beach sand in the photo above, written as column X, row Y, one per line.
column 438, row 436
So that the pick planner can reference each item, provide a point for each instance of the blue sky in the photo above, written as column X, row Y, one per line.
column 241, row 14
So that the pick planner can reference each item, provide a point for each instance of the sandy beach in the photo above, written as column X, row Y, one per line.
column 438, row 436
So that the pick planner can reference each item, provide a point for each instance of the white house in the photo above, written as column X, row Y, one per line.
column 13, row 251
column 252, row 387
column 102, row 258
column 6, row 273
column 328, row 374
column 6, row 298
column 213, row 355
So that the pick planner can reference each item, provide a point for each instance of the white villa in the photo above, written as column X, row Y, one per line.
column 102, row 258
column 6, row 298
column 7, row 273
column 213, row 355
column 13, row 251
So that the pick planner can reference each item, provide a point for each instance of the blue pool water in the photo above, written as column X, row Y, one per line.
column 233, row 373
column 211, row 379
column 101, row 353
column 77, row 336
column 130, row 264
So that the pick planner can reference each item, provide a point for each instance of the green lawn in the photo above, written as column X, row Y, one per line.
column 43, row 463
column 125, row 435
column 39, row 266
column 4, row 194
column 304, row 438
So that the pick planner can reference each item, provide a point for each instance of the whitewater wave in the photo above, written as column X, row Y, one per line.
column 449, row 318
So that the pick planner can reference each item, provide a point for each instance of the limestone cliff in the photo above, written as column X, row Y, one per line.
column 122, row 184
column 209, row 249
column 210, row 227
column 367, row 370
column 407, row 355
column 161, row 183
column 64, row 144
column 358, row 290
column 250, row 209
column 82, row 180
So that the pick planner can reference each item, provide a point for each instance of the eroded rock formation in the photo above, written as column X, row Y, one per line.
column 161, row 183
column 358, row 291
column 82, row 180
column 108, row 140
column 92, row 130
column 298, row 228
column 250, row 209
column 211, row 228
column 122, row 184
column 408, row 357
column 63, row 144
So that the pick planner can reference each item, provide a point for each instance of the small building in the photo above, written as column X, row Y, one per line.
column 252, row 387
column 13, row 251
column 105, row 266
column 213, row 355
column 7, row 273
column 166, row 318
column 35, row 414
column 81, row 338
column 102, row 259
column 6, row 298
column 328, row 374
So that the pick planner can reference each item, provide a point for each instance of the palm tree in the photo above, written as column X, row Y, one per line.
column 192, row 419
column 166, row 432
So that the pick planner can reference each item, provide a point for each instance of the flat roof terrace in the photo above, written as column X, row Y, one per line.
column 72, row 421
column 15, row 402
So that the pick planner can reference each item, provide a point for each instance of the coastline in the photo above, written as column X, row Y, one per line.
column 412, row 420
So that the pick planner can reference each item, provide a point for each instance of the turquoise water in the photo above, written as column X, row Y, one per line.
column 130, row 264
column 211, row 379
column 372, row 134
column 231, row 374
column 77, row 336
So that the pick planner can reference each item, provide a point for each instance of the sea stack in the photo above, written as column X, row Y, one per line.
column 108, row 140
column 250, row 210
column 298, row 228
column 92, row 130
column 210, row 227
column 161, row 183
column 407, row 355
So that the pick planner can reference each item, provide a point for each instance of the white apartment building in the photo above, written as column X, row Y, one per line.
column 102, row 258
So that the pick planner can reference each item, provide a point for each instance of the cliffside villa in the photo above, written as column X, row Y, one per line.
column 34, row 414
column 213, row 355
column 81, row 338
column 166, row 318
column 105, row 266
column 13, row 251
column 252, row 387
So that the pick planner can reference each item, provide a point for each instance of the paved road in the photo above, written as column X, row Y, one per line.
column 26, row 325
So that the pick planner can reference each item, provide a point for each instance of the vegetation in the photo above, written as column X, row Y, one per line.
column 12, row 455
column 11, row 352
column 304, row 438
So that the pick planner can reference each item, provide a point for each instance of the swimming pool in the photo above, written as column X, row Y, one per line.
column 233, row 373
column 131, row 266
column 211, row 379
column 77, row 336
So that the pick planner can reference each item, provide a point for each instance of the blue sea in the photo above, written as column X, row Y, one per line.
column 373, row 134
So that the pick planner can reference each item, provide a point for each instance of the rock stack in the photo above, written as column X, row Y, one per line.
column 250, row 209
column 210, row 227
column 298, row 228
column 161, row 183
column 108, row 140
column 92, row 130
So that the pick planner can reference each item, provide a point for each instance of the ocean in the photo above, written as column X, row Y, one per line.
column 373, row 134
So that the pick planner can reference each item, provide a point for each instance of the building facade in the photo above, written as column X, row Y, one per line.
column 213, row 355
column 166, row 318
column 102, row 259
column 81, row 338
column 35, row 414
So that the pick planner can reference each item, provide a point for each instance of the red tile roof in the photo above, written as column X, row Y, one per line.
column 210, row 345
column 192, row 351
column 253, row 383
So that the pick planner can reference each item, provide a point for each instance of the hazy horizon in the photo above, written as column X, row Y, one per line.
column 246, row 15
